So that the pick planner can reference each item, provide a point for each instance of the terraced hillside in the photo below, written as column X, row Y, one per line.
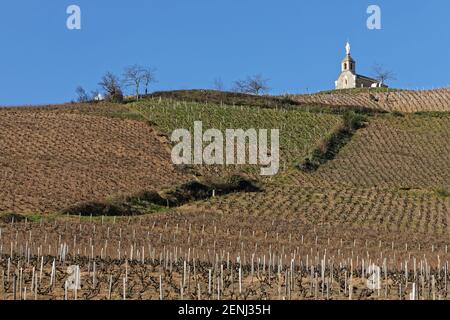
column 409, row 152
column 391, row 180
column 50, row 160
column 381, row 199
column 300, row 130
column 390, row 100
column 56, row 156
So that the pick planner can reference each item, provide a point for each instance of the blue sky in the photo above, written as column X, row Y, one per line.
column 296, row 44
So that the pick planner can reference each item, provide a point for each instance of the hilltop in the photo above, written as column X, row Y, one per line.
column 378, row 99
column 390, row 100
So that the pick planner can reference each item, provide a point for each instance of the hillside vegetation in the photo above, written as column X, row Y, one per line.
column 50, row 160
column 409, row 152
column 300, row 131
column 378, row 195
column 407, row 101
column 365, row 99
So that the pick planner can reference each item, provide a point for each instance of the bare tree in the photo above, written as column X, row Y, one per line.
column 111, row 85
column 381, row 74
column 218, row 84
column 133, row 76
column 82, row 96
column 148, row 77
column 253, row 85
column 136, row 75
column 257, row 84
column 240, row 86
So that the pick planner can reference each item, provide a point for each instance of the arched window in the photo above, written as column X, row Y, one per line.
column 345, row 66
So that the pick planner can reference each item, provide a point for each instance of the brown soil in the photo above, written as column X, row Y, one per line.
column 50, row 159
column 401, row 101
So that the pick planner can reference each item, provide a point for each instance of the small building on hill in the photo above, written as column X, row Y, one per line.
column 349, row 79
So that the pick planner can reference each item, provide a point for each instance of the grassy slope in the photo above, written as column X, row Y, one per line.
column 228, row 98
column 300, row 131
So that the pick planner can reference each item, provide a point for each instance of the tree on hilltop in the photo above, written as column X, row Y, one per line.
column 218, row 84
column 252, row 85
column 136, row 75
column 112, row 87
column 148, row 76
column 381, row 74
column 82, row 96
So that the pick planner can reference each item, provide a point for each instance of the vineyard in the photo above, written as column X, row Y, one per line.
column 407, row 152
column 300, row 131
column 381, row 202
column 195, row 255
column 391, row 100
column 53, row 160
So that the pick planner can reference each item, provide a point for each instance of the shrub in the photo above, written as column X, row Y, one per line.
column 116, row 97
column 398, row 114
column 82, row 96
column 11, row 217
column 443, row 193
column 353, row 121
column 97, row 208
column 328, row 148
column 111, row 85
column 152, row 201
